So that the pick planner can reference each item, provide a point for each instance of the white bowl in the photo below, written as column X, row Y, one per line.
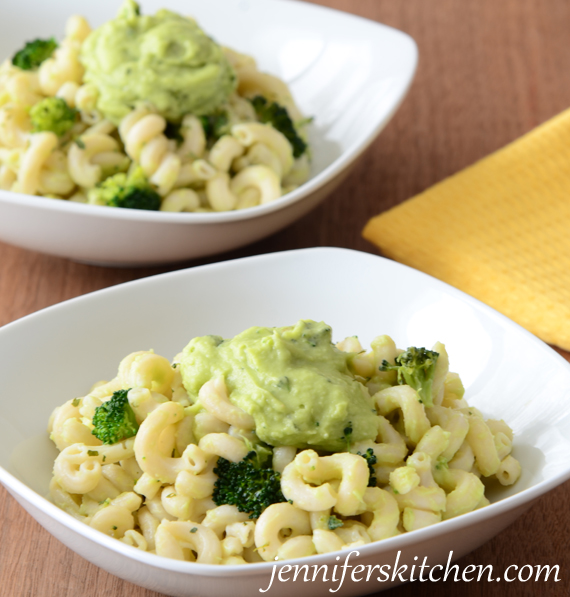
column 349, row 73
column 59, row 352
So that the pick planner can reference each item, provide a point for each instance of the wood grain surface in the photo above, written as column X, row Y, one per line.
column 489, row 71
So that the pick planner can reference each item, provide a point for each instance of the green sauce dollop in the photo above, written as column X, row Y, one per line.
column 293, row 381
column 164, row 59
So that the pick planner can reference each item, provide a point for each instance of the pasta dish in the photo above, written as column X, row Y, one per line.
column 147, row 112
column 273, row 445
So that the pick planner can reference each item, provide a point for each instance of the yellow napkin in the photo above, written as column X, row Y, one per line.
column 498, row 230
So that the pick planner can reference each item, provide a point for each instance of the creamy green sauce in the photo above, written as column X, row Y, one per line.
column 293, row 381
column 164, row 59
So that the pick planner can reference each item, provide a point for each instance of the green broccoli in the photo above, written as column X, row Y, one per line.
column 371, row 460
column 347, row 435
column 132, row 191
column 247, row 485
column 34, row 53
column 334, row 523
column 415, row 368
column 215, row 125
column 277, row 116
column 52, row 114
column 115, row 420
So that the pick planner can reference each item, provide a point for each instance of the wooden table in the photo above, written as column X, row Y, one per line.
column 489, row 71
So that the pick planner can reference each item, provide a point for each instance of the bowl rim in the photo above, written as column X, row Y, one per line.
column 339, row 165
column 520, row 499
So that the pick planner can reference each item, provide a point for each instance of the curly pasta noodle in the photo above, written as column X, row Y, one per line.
column 33, row 160
column 65, row 66
column 15, row 126
column 141, row 132
column 97, row 151
column 55, row 176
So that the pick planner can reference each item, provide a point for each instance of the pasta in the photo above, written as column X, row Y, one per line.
column 157, row 488
column 235, row 154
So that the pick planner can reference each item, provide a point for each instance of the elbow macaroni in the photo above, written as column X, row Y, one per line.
column 154, row 491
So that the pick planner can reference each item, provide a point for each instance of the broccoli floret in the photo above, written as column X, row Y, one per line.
column 371, row 460
column 278, row 117
column 115, row 420
column 215, row 125
column 249, row 486
column 34, row 53
column 52, row 114
column 416, row 368
column 132, row 191
column 334, row 523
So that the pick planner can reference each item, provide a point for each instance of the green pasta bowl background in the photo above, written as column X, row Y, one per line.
column 508, row 374
column 349, row 73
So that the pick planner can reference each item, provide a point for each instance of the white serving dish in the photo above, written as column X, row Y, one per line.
column 59, row 352
column 349, row 73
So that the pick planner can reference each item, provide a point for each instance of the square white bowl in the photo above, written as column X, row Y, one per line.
column 350, row 73
column 59, row 352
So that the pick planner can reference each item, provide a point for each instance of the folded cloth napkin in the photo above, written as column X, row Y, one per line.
column 498, row 230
